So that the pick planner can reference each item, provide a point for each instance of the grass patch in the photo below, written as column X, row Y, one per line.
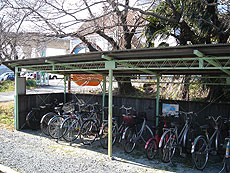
column 7, row 86
column 30, row 83
column 7, row 115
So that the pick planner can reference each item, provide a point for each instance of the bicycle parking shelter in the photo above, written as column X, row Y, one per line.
column 209, row 59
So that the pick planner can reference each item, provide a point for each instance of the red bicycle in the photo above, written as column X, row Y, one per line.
column 151, row 147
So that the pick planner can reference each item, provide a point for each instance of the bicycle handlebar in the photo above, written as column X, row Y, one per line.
column 215, row 120
column 126, row 108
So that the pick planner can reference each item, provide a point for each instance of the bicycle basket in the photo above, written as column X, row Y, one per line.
column 129, row 119
column 68, row 107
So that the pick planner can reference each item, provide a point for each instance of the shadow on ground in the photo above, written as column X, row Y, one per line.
column 138, row 156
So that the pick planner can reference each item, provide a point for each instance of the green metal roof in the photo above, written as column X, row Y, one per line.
column 195, row 59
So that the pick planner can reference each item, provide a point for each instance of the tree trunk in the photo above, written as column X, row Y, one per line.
column 218, row 93
column 125, row 86
column 185, row 89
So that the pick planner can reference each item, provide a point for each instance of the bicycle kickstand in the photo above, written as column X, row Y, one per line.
column 58, row 134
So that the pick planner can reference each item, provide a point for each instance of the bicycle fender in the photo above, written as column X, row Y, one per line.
column 147, row 143
column 227, row 152
column 101, row 128
column 43, row 117
column 123, row 135
column 63, row 122
column 53, row 118
column 194, row 143
column 185, row 137
column 162, row 137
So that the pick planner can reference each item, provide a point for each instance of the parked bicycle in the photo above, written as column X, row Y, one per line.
column 172, row 139
column 151, row 147
column 226, row 160
column 204, row 145
column 45, row 119
column 34, row 117
column 138, row 130
column 90, row 127
column 72, row 124
column 54, row 124
column 117, row 131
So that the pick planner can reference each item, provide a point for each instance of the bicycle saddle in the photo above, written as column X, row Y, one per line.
column 204, row 126
column 42, row 107
column 175, row 124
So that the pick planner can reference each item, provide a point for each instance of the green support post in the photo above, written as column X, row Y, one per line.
column 103, row 96
column 16, row 112
column 110, row 112
column 65, row 89
column 157, row 101
column 110, row 65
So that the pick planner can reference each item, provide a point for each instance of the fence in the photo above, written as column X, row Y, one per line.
column 203, row 109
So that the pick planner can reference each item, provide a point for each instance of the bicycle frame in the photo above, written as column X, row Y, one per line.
column 211, row 139
column 139, row 133
column 182, row 135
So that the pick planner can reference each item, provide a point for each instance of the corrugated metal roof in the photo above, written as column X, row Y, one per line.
column 154, row 55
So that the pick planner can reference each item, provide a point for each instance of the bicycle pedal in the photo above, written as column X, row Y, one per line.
column 214, row 153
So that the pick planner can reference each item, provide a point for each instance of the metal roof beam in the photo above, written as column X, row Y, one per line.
column 211, row 61
column 127, row 65
column 50, row 62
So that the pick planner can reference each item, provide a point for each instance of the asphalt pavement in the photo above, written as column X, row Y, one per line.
column 55, row 86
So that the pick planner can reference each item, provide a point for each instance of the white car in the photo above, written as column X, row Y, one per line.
column 29, row 75
column 3, row 76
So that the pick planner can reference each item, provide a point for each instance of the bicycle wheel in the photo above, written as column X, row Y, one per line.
column 104, row 133
column 187, row 140
column 167, row 146
column 129, row 141
column 44, row 122
column 200, row 152
column 88, row 132
column 151, row 149
column 71, row 129
column 219, row 144
column 33, row 119
column 227, row 164
column 54, row 127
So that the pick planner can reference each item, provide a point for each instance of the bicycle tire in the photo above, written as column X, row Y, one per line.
column 33, row 119
column 219, row 143
column 167, row 147
column 151, row 149
column 227, row 164
column 129, row 139
column 71, row 129
column 104, row 132
column 54, row 127
column 88, row 132
column 200, row 152
column 44, row 122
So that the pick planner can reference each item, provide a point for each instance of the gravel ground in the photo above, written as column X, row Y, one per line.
column 29, row 151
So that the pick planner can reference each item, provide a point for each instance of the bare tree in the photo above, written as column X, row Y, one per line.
column 15, row 40
column 115, row 23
